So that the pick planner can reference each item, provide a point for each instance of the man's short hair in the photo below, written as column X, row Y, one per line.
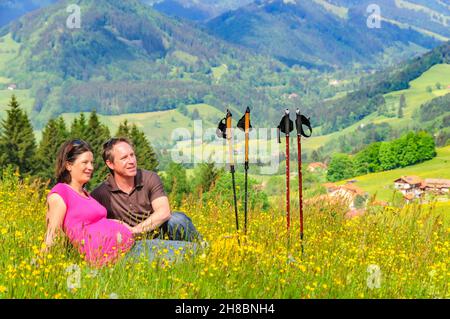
column 109, row 145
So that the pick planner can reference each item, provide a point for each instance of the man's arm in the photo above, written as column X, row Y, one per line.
column 160, row 205
column 160, row 215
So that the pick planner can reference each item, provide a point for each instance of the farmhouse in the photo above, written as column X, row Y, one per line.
column 292, row 96
column 409, row 186
column 437, row 185
column 12, row 87
column 316, row 166
column 413, row 186
column 330, row 187
column 349, row 192
column 334, row 82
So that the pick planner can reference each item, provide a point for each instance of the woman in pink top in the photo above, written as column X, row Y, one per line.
column 81, row 217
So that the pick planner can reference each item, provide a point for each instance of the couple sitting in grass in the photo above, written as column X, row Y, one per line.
column 128, row 214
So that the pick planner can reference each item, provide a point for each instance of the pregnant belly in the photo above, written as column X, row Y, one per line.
column 104, row 241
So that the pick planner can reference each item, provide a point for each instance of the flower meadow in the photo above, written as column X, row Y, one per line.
column 386, row 253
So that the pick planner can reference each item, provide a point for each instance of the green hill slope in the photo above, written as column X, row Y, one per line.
column 416, row 95
column 127, row 58
column 158, row 126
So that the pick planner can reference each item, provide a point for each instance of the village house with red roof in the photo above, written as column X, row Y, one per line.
column 312, row 167
column 348, row 192
column 437, row 185
column 414, row 187
column 330, row 187
column 409, row 186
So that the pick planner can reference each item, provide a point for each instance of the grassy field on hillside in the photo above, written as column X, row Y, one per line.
column 393, row 253
column 219, row 71
column 415, row 96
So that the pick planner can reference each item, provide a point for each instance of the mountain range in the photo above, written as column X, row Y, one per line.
column 127, row 57
column 322, row 34
column 316, row 34
column 197, row 10
column 13, row 9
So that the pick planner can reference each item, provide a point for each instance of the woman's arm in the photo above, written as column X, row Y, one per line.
column 55, row 218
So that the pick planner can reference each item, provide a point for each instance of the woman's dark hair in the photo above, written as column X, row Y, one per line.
column 68, row 153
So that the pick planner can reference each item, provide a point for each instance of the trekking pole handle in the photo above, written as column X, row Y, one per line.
column 229, row 138
column 247, row 129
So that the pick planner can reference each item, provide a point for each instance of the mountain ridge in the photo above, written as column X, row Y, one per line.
column 306, row 33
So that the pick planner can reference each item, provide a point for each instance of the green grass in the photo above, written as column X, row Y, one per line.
column 382, row 183
column 4, row 80
column 417, row 94
column 8, row 50
column 219, row 71
column 185, row 57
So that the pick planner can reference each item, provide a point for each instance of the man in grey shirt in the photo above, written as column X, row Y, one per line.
column 137, row 198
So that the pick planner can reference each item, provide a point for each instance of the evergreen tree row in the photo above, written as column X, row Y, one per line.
column 18, row 147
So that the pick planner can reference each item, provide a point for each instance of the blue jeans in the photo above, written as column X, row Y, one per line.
column 157, row 249
column 180, row 232
column 178, row 227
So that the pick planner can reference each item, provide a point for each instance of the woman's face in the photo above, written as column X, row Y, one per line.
column 81, row 169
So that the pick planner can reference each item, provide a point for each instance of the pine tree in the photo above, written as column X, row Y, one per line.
column 53, row 135
column 176, row 183
column 206, row 175
column 315, row 156
column 79, row 128
column 124, row 130
column 145, row 154
column 195, row 114
column 17, row 141
column 400, row 112
column 402, row 104
column 96, row 135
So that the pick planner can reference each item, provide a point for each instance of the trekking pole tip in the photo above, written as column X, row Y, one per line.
column 247, row 110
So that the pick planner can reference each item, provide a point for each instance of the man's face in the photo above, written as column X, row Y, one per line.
column 124, row 160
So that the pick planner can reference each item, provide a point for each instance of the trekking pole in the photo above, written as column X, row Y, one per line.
column 286, row 126
column 300, row 120
column 244, row 124
column 224, row 131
